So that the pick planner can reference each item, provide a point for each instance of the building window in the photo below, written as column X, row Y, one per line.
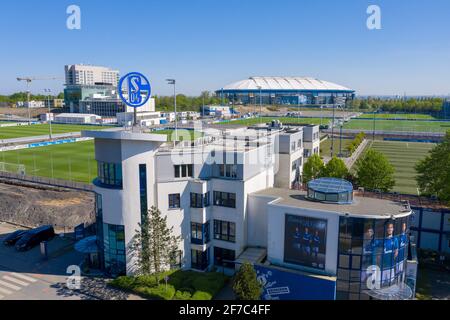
column 306, row 153
column 224, row 257
column 224, row 199
column 143, row 189
column 228, row 171
column 110, row 174
column 225, row 231
column 174, row 201
column 199, row 200
column 175, row 259
column 293, row 144
column 299, row 144
column 199, row 233
column 199, row 259
column 114, row 249
column 184, row 170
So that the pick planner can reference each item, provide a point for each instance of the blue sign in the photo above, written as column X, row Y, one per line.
column 284, row 285
column 134, row 89
column 79, row 231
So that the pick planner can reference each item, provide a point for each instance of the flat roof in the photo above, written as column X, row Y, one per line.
column 361, row 207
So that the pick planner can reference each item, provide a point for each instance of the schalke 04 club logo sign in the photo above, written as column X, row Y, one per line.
column 134, row 89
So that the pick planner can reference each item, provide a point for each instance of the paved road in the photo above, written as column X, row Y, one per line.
column 27, row 276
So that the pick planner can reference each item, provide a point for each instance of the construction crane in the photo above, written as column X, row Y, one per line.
column 28, row 81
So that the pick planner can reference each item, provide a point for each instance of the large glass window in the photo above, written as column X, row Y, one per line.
column 199, row 200
column 114, row 249
column 199, row 233
column 183, row 170
column 368, row 249
column 174, row 201
column 110, row 174
column 224, row 199
column 224, row 257
column 228, row 171
column 199, row 259
column 143, row 189
column 224, row 230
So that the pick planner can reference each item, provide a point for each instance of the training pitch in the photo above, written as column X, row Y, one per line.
column 399, row 125
column 42, row 130
column 404, row 156
column 71, row 161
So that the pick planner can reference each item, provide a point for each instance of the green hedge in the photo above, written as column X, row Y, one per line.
column 359, row 138
column 182, row 285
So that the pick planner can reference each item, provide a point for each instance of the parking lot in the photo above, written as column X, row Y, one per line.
column 28, row 276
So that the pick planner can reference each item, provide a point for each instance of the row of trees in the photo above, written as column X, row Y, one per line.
column 185, row 103
column 356, row 142
column 373, row 171
column 412, row 105
column 22, row 96
column 433, row 172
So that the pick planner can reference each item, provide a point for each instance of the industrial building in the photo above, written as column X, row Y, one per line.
column 227, row 194
column 286, row 91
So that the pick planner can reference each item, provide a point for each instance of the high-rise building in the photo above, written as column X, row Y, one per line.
column 446, row 109
column 80, row 74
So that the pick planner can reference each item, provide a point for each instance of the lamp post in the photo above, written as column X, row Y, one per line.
column 260, row 103
column 48, row 91
column 173, row 81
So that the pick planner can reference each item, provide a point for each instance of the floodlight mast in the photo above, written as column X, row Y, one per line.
column 28, row 81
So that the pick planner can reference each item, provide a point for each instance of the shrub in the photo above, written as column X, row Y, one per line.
column 182, row 295
column 123, row 282
column 246, row 285
column 160, row 292
column 201, row 295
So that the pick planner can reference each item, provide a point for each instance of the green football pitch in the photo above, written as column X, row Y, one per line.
column 253, row 121
column 42, row 130
column 404, row 156
column 399, row 125
column 398, row 116
column 71, row 161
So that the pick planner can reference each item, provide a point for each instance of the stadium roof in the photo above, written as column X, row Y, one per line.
column 285, row 83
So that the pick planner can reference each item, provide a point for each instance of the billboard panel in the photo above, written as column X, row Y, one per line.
column 279, row 284
column 305, row 241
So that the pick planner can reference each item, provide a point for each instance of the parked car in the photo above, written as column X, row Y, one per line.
column 14, row 237
column 34, row 237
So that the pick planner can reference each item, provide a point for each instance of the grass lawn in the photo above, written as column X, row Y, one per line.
column 182, row 285
column 253, row 121
column 71, row 161
column 399, row 125
column 183, row 134
column 398, row 116
column 325, row 147
column 404, row 156
column 42, row 129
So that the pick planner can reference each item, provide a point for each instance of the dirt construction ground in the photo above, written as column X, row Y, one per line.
column 29, row 206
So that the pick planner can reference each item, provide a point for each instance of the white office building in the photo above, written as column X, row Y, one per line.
column 227, row 194
column 76, row 118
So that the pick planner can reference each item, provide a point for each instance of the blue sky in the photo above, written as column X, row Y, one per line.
column 206, row 44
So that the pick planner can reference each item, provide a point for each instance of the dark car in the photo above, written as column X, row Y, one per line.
column 34, row 237
column 14, row 237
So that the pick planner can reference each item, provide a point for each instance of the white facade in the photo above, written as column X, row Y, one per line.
column 76, row 118
column 143, row 118
column 80, row 74
column 31, row 104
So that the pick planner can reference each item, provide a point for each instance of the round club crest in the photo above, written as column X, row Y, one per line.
column 134, row 89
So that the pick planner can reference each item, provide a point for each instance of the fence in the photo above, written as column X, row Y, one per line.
column 47, row 181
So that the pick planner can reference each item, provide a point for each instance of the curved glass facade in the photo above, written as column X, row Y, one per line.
column 330, row 190
column 372, row 255
column 114, row 249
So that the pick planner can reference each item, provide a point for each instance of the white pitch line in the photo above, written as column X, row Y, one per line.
column 5, row 291
column 23, row 277
column 11, row 279
column 9, row 285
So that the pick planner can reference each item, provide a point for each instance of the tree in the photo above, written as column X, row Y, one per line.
column 335, row 168
column 374, row 172
column 245, row 285
column 434, row 171
column 312, row 168
column 154, row 243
